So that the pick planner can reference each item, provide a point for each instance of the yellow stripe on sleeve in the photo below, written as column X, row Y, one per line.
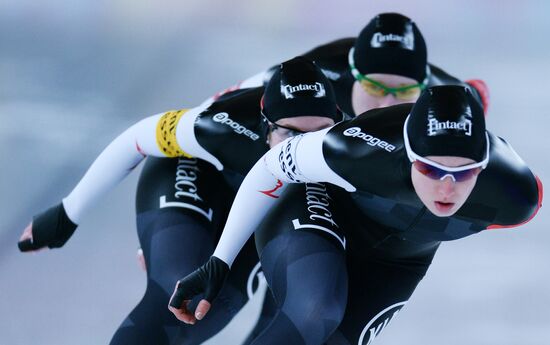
column 166, row 134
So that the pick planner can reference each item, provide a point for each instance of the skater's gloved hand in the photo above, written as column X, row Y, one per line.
column 51, row 228
column 207, row 279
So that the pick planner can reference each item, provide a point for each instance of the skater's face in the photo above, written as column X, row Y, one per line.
column 377, row 90
column 292, row 126
column 441, row 191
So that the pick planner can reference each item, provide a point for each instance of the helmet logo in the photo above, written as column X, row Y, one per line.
column 380, row 40
column 289, row 90
column 437, row 128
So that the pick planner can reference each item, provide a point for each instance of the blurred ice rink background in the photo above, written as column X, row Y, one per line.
column 74, row 74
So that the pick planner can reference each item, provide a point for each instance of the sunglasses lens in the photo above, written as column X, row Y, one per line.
column 466, row 174
column 284, row 132
column 372, row 89
column 428, row 170
column 436, row 173
column 408, row 94
column 405, row 93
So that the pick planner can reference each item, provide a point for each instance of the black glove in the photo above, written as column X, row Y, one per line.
column 50, row 228
column 208, row 278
